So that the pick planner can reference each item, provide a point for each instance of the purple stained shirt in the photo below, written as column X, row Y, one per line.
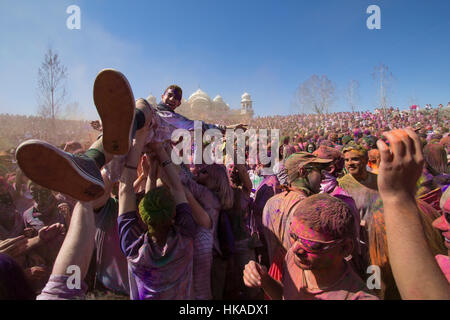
column 205, row 239
column 159, row 273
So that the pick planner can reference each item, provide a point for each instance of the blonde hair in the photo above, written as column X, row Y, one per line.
column 218, row 182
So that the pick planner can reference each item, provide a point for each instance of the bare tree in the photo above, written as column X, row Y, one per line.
column 384, row 81
column 316, row 94
column 52, row 77
column 352, row 94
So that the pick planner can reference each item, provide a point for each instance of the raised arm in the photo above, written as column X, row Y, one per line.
column 199, row 215
column 78, row 244
column 127, row 196
column 415, row 270
column 245, row 178
column 170, row 175
column 152, row 174
column 144, row 175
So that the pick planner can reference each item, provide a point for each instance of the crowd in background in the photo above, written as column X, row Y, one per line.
column 16, row 128
column 326, row 179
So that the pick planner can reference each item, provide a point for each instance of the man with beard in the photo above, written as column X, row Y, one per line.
column 321, row 236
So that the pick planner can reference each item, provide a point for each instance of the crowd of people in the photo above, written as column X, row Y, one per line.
column 356, row 207
column 16, row 128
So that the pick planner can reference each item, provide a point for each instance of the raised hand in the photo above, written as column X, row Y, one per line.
column 401, row 164
column 411, row 260
column 50, row 232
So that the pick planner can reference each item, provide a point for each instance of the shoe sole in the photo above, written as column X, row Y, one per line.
column 54, row 169
column 115, row 104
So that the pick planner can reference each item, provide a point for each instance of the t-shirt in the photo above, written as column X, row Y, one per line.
column 275, row 218
column 348, row 287
column 159, row 273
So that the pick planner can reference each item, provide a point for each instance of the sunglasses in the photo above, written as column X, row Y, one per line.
column 314, row 246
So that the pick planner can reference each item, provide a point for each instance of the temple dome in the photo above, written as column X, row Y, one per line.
column 246, row 97
column 219, row 104
column 199, row 95
column 218, row 98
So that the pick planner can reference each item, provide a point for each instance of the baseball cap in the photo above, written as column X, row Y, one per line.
column 299, row 160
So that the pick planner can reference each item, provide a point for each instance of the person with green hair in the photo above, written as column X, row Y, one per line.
column 157, row 210
column 160, row 261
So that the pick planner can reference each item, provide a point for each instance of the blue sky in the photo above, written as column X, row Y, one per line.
column 267, row 48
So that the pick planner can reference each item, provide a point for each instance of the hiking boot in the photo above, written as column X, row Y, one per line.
column 115, row 104
column 74, row 175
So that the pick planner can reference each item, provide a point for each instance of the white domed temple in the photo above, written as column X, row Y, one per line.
column 200, row 106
